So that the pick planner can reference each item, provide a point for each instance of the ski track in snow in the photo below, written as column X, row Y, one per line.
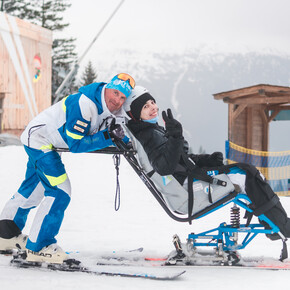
column 92, row 228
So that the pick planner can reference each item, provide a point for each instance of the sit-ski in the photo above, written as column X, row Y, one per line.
column 219, row 245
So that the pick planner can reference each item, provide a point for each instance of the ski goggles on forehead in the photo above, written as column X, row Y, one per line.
column 126, row 77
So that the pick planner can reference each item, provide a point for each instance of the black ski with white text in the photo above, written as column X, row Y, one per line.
column 73, row 265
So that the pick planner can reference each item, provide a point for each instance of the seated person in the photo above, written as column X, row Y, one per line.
column 168, row 154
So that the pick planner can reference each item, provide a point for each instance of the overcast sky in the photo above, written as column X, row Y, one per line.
column 179, row 25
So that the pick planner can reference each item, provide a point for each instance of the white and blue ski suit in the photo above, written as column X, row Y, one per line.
column 79, row 122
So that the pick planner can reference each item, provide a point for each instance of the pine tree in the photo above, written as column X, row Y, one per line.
column 14, row 7
column 24, row 9
column 47, row 14
column 63, row 48
column 89, row 76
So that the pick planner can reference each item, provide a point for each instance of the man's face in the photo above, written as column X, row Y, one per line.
column 114, row 99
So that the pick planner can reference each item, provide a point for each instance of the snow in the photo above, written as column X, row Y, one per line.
column 92, row 228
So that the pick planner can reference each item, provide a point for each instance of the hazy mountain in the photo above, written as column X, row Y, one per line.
column 186, row 83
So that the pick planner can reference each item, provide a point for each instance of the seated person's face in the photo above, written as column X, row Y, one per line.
column 149, row 110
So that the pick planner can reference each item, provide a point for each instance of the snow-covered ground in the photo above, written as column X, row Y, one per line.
column 92, row 228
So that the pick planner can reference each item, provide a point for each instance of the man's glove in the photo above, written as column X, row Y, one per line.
column 217, row 159
column 116, row 131
column 172, row 126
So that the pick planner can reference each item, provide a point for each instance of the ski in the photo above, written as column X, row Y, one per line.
column 135, row 257
column 271, row 267
column 245, row 263
column 75, row 266
column 6, row 252
column 264, row 263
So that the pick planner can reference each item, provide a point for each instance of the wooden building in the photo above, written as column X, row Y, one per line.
column 250, row 110
column 25, row 71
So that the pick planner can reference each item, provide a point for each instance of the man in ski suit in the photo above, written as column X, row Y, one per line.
column 82, row 122
column 168, row 154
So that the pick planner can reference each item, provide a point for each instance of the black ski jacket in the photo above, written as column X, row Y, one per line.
column 166, row 153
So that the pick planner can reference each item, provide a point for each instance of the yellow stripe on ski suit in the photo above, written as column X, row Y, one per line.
column 63, row 104
column 68, row 133
column 73, row 135
column 54, row 181
column 44, row 147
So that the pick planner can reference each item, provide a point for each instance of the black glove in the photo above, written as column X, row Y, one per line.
column 172, row 126
column 207, row 160
column 217, row 159
column 116, row 131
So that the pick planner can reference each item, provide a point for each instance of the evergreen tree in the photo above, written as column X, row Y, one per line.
column 63, row 48
column 47, row 14
column 89, row 76
column 14, row 7
column 24, row 9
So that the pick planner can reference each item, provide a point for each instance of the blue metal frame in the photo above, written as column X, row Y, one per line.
column 225, row 233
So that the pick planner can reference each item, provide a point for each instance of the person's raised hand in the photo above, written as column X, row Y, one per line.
column 172, row 126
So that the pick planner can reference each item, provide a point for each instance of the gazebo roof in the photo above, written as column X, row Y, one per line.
column 258, row 94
